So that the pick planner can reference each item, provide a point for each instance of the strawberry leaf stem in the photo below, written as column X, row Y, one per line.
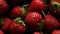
column 43, row 13
column 18, row 20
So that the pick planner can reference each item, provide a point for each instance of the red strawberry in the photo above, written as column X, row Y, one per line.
column 17, row 11
column 37, row 5
column 59, row 1
column 32, row 19
column 51, row 23
column 3, row 7
column 55, row 7
column 36, row 33
column 56, row 32
column 1, row 32
column 5, row 24
column 17, row 27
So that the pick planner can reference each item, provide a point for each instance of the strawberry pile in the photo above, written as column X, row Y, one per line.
column 29, row 16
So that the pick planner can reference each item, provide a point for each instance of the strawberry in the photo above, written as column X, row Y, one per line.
column 17, row 11
column 16, row 27
column 5, row 24
column 12, row 26
column 32, row 19
column 56, row 32
column 37, row 5
column 54, row 7
column 59, row 1
column 36, row 33
column 1, row 32
column 3, row 7
column 51, row 23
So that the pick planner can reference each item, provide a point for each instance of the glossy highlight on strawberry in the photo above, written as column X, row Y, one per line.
column 37, row 5
column 54, row 7
column 17, row 28
column 5, row 24
column 36, row 33
column 1, row 32
column 51, row 23
column 17, row 11
column 33, row 18
column 56, row 32
column 3, row 7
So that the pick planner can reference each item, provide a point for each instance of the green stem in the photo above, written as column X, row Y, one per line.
column 18, row 20
column 43, row 13
column 41, row 26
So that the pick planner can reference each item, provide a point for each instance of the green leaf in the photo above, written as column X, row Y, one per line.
column 18, row 20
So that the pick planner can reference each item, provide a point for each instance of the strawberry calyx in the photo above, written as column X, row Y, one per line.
column 56, row 6
column 18, row 20
column 24, row 10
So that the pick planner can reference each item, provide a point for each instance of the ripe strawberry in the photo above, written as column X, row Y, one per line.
column 3, row 7
column 32, row 19
column 5, row 24
column 56, row 32
column 59, row 1
column 17, row 27
column 37, row 5
column 51, row 23
column 17, row 11
column 54, row 7
column 36, row 33
column 1, row 32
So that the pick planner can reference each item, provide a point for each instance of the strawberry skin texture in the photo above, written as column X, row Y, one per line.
column 37, row 5
column 5, row 24
column 56, row 32
column 51, row 23
column 16, row 12
column 32, row 19
column 16, row 28
column 59, row 1
column 36, row 33
column 3, row 7
column 1, row 32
